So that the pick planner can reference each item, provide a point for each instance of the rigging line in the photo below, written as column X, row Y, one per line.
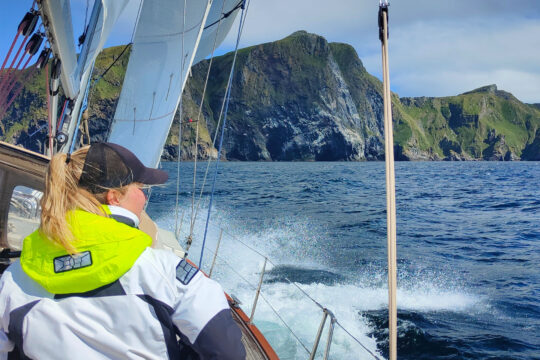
column 196, row 154
column 16, row 78
column 194, row 189
column 10, row 50
column 38, row 130
column 358, row 341
column 17, row 91
column 247, row 8
column 266, row 301
column 7, row 78
column 136, row 21
column 110, row 66
column 200, row 111
column 225, row 15
column 286, row 279
column 277, row 313
column 228, row 83
column 283, row 321
column 179, row 158
column 62, row 116
column 273, row 264
column 242, row 19
column 217, row 126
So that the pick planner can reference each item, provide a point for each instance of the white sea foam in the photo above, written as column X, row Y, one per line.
column 238, row 270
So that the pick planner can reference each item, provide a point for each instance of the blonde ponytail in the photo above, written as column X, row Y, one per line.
column 62, row 195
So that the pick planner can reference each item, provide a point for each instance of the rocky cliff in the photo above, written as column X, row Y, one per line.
column 302, row 98
column 485, row 123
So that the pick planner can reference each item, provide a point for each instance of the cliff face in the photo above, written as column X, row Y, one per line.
column 299, row 98
column 302, row 98
column 484, row 124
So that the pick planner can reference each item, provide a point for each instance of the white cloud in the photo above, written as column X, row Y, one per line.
column 447, row 58
column 437, row 48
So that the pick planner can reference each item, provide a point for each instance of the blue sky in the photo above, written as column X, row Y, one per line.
column 437, row 48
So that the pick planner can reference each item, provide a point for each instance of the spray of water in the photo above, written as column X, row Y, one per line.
column 293, row 245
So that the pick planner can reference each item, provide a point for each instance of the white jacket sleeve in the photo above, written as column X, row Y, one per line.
column 203, row 316
column 5, row 346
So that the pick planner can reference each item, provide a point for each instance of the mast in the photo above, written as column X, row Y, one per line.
column 74, row 73
column 390, row 184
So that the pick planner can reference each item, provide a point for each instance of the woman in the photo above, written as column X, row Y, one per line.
column 88, row 285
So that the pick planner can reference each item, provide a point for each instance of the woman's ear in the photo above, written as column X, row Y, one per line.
column 112, row 197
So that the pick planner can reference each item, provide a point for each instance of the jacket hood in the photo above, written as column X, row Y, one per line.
column 107, row 250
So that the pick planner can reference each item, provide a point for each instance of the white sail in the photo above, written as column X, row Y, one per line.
column 57, row 18
column 217, row 23
column 163, row 51
column 104, row 16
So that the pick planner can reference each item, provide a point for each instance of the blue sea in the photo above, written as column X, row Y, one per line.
column 468, row 252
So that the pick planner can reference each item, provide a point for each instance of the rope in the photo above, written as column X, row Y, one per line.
column 10, row 50
column 62, row 114
column 85, row 128
column 6, row 80
column 15, row 79
column 242, row 19
column 10, row 68
column 17, row 91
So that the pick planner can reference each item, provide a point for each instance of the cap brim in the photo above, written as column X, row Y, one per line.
column 152, row 177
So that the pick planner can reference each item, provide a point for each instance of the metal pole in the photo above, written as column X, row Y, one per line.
column 258, row 292
column 215, row 253
column 390, row 184
column 319, row 333
column 330, row 335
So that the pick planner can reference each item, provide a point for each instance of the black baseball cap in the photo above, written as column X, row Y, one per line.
column 109, row 165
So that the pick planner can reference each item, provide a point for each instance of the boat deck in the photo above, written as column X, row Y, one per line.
column 253, row 349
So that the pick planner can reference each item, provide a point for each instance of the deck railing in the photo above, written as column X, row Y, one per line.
column 326, row 329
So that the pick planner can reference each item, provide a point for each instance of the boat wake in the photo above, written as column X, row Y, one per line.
column 294, row 269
